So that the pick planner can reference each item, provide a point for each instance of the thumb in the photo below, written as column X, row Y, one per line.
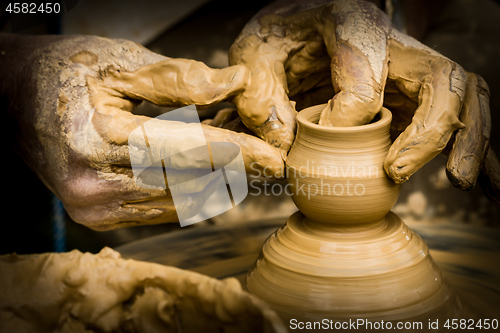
column 358, row 50
column 358, row 95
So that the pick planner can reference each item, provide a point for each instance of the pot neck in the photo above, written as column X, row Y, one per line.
column 362, row 137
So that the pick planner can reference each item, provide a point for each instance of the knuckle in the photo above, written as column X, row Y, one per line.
column 445, row 70
column 83, row 215
column 79, row 192
column 95, row 216
column 441, row 65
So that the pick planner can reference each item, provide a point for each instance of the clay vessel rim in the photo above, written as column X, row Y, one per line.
column 302, row 118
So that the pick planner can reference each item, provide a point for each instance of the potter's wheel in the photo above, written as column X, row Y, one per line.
column 216, row 251
column 468, row 256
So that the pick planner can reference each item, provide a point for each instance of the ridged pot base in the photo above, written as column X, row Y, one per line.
column 376, row 271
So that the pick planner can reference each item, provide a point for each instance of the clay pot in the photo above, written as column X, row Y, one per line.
column 345, row 255
column 337, row 173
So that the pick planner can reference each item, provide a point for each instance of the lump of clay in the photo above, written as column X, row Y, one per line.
column 83, row 292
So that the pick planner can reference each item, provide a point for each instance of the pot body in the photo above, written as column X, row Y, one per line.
column 336, row 173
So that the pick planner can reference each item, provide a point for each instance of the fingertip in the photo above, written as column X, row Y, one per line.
column 269, row 162
column 276, row 164
column 397, row 173
column 464, row 174
column 401, row 163
column 352, row 108
column 390, row 167
column 324, row 118
column 281, row 138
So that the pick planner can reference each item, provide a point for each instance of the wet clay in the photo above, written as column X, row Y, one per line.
column 344, row 255
column 83, row 292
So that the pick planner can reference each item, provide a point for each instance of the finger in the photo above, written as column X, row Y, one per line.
column 167, row 138
column 178, row 82
column 177, row 144
column 189, row 198
column 220, row 155
column 264, row 106
column 259, row 157
column 174, row 142
column 188, row 189
column 358, row 95
column 112, row 118
column 435, row 119
column 157, row 175
column 357, row 45
column 471, row 142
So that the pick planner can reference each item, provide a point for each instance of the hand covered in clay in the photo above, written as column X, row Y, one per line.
column 70, row 101
column 83, row 292
column 308, row 51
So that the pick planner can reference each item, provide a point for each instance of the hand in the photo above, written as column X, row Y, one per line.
column 83, row 292
column 308, row 52
column 70, row 99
